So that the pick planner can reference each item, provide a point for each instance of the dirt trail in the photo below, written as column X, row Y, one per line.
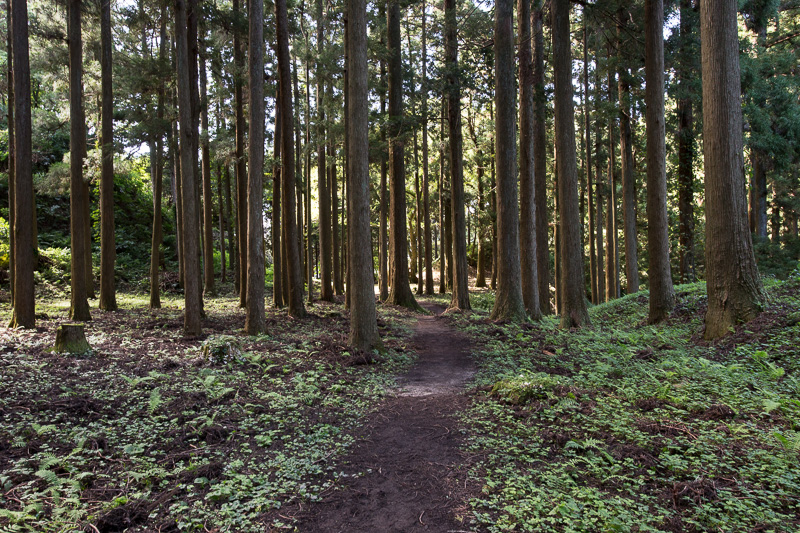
column 416, row 479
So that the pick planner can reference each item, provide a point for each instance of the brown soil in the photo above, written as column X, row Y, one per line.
column 406, row 472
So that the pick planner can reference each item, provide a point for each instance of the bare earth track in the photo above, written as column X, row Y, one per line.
column 416, row 476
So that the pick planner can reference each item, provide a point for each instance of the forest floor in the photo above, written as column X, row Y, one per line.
column 462, row 424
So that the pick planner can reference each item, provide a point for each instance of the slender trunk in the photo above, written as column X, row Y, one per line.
column 309, row 242
column 425, row 176
column 612, row 263
column 255, row 322
column 11, row 160
column 527, row 205
column 157, row 238
column 685, row 148
column 588, row 162
column 363, row 318
column 178, row 196
column 628, row 179
column 338, row 283
column 79, row 308
column 493, row 203
column 208, row 202
column 23, row 234
column 229, row 226
column 662, row 295
column 108, row 299
column 383, row 251
column 221, row 213
column 191, row 234
column 460, row 299
column 241, row 171
column 400, row 293
column 540, row 161
column 295, row 269
column 442, row 226
column 278, row 289
column 734, row 288
column 598, row 236
column 508, row 304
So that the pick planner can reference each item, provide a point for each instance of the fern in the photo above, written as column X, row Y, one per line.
column 49, row 476
column 155, row 401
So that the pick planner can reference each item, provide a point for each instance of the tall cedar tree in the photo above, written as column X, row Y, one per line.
column 626, row 153
column 291, row 247
column 11, row 160
column 685, row 146
column 540, row 160
column 208, row 201
column 662, row 295
column 460, row 299
column 241, row 171
column 24, row 252
column 156, row 164
column 191, row 232
column 508, row 304
column 383, row 229
column 325, row 237
column 734, row 288
column 588, row 162
column 572, row 299
column 400, row 293
column 527, row 205
column 363, row 318
column 425, row 177
column 108, row 254
column 79, row 307
column 255, row 322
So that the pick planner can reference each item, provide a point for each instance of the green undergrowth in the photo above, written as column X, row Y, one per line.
column 628, row 427
column 154, row 432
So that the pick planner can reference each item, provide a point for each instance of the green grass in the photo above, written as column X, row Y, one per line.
column 628, row 427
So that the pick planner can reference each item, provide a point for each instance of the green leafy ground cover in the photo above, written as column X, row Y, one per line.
column 152, row 430
column 630, row 427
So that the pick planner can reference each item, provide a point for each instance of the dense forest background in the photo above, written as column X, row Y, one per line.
column 608, row 77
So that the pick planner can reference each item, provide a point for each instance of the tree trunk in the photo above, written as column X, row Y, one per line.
column 191, row 233
column 400, row 292
column 527, row 209
column 493, row 203
column 338, row 282
column 208, row 201
column 442, row 204
column 588, row 162
column 685, row 147
column 79, row 308
column 612, row 253
column 295, row 269
column 425, row 176
column 383, row 250
column 759, row 186
column 157, row 167
column 309, row 244
column 24, row 247
column 540, row 161
column 598, row 237
column 229, row 226
column 662, row 295
column 178, row 195
column 278, row 288
column 508, row 304
column 628, row 179
column 221, row 212
column 11, row 160
column 241, row 172
column 573, row 298
column 108, row 254
column 360, row 287
column 323, row 194
column 460, row 299
column 733, row 284
column 255, row 322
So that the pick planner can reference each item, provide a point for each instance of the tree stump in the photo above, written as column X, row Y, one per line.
column 71, row 339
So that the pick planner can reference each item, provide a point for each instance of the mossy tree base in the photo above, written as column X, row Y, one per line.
column 70, row 338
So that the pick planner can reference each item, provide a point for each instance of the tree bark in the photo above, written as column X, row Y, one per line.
column 662, row 295
column 278, row 288
column 360, row 287
column 686, row 151
column 11, row 160
column 208, row 201
column 508, row 304
column 400, row 292
column 79, row 307
column 612, row 252
column 588, row 162
column 540, row 162
column 527, row 203
column 600, row 274
column 108, row 254
column 628, row 179
column 295, row 269
column 24, row 247
column 734, row 288
column 255, row 321
column 425, row 176
column 323, row 196
column 383, row 250
column 241, row 172
column 460, row 298
column 158, row 163
column 573, row 298
column 191, row 286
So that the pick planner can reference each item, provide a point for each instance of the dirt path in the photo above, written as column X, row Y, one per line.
column 415, row 479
